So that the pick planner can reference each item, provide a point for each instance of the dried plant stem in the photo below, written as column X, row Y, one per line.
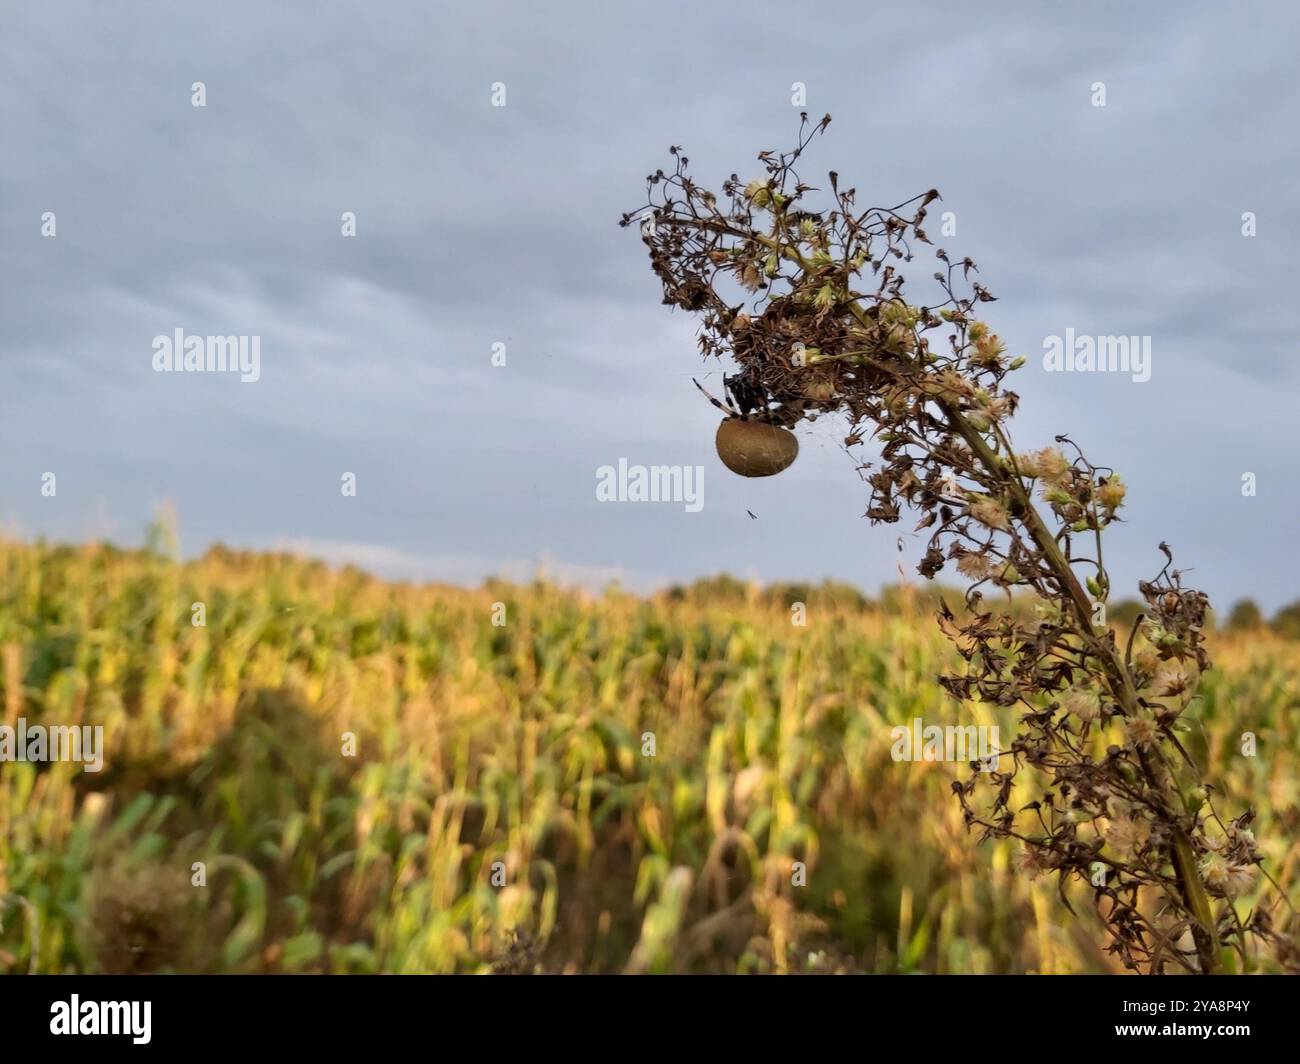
column 814, row 340
column 1121, row 684
column 1104, row 650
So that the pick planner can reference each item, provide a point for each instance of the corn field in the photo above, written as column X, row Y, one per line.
column 333, row 773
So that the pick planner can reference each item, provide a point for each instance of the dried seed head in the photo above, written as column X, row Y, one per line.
column 1027, row 464
column 1086, row 705
column 1033, row 861
column 1051, row 463
column 988, row 352
column 990, row 512
column 974, row 566
column 758, row 193
column 1127, row 835
column 1224, row 877
column 819, row 391
column 1142, row 730
column 1111, row 493
column 1172, row 680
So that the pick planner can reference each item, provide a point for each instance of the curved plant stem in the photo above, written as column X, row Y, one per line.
column 1117, row 674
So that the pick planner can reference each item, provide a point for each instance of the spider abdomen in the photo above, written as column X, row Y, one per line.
column 755, row 448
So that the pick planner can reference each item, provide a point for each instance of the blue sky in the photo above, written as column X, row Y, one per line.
column 479, row 225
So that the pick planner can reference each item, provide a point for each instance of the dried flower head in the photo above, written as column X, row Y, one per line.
column 1127, row 835
column 1086, row 705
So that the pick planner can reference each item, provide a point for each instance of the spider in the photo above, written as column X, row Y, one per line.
column 754, row 403
column 754, row 440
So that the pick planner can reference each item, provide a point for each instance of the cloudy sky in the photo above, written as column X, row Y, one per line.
column 479, row 225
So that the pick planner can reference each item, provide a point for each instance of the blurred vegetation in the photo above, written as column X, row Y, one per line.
column 502, row 810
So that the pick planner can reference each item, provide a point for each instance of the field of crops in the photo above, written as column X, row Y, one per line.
column 337, row 774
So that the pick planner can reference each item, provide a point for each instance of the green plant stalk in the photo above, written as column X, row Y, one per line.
column 1184, row 860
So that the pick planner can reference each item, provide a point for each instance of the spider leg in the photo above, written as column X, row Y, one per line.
column 731, row 395
column 721, row 406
